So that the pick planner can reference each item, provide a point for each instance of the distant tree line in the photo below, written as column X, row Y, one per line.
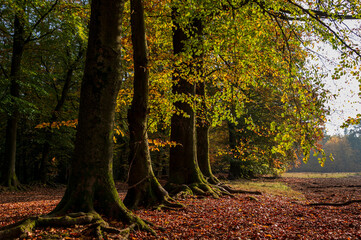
column 346, row 152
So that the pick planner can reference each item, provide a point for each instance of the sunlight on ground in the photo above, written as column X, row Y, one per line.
column 273, row 188
column 319, row 175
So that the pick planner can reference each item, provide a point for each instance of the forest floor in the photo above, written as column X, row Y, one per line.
column 282, row 212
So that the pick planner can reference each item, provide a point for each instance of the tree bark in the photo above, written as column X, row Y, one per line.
column 9, row 175
column 91, row 190
column 91, row 186
column 203, row 137
column 203, row 124
column 183, row 165
column 144, row 189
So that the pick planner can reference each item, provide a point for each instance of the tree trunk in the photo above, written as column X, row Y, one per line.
column 91, row 186
column 183, row 165
column 144, row 189
column 234, row 168
column 10, row 178
column 203, row 137
column 203, row 124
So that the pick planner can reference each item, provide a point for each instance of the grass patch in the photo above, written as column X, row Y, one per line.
column 273, row 188
column 320, row 175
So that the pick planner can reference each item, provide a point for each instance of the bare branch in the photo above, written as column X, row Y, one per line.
column 52, row 79
column 41, row 36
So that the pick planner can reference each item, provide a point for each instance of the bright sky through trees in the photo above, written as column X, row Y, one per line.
column 346, row 102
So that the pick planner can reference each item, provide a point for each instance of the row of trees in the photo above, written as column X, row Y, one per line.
column 225, row 90
column 207, row 63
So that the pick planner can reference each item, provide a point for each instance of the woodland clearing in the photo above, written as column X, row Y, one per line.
column 282, row 212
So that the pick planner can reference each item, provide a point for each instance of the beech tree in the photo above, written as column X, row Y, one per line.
column 202, row 130
column 303, row 105
column 203, row 123
column 144, row 189
column 91, row 189
column 184, row 171
column 9, row 175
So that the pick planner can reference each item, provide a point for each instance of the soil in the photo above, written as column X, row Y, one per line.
column 240, row 217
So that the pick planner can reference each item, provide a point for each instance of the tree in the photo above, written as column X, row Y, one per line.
column 23, row 35
column 202, row 129
column 91, row 189
column 203, row 123
column 9, row 175
column 273, row 105
column 144, row 189
column 184, row 172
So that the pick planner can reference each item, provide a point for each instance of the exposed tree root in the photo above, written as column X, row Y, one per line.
column 12, row 183
column 95, row 230
column 44, row 184
column 335, row 204
column 212, row 179
column 150, row 194
column 14, row 189
column 25, row 226
column 13, row 186
column 170, row 204
column 198, row 189
column 158, row 203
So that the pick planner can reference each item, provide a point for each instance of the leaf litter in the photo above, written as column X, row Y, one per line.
column 240, row 217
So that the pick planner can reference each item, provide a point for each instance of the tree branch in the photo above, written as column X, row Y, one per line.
column 41, row 36
column 314, row 14
column 315, row 17
column 28, row 39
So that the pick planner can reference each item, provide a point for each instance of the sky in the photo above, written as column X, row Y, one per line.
column 347, row 102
